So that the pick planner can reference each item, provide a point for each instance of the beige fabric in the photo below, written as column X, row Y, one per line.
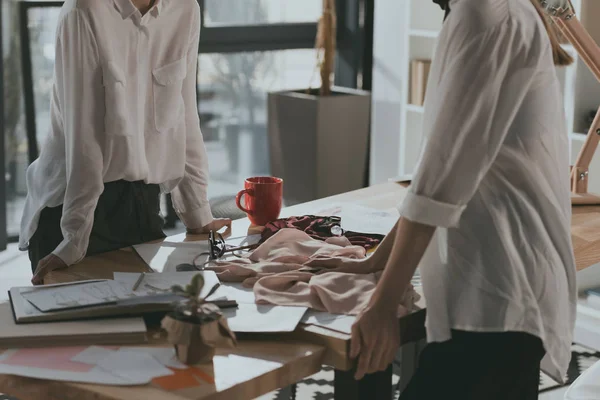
column 291, row 268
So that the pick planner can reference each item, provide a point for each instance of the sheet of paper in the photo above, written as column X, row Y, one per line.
column 133, row 366
column 336, row 322
column 165, row 257
column 161, row 282
column 56, row 364
column 84, row 295
column 234, row 291
column 101, row 365
column 362, row 219
column 165, row 355
column 263, row 318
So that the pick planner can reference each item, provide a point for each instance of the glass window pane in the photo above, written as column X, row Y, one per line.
column 42, row 31
column 257, row 12
column 15, row 151
column 233, row 109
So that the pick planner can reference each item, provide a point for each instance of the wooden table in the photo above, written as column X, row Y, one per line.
column 586, row 240
column 251, row 369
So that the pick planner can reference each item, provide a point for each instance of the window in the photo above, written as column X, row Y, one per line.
column 258, row 12
column 232, row 102
column 247, row 48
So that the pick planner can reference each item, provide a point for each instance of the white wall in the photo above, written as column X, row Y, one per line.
column 387, row 88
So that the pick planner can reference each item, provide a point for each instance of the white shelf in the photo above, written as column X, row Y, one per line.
column 426, row 33
column 569, row 47
column 414, row 108
column 578, row 136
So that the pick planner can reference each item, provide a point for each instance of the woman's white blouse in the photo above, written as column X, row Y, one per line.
column 123, row 107
column 493, row 175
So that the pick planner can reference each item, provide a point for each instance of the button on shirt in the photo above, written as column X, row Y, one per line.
column 493, row 176
column 123, row 107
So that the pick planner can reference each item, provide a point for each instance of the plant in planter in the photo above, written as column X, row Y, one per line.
column 318, row 138
column 196, row 327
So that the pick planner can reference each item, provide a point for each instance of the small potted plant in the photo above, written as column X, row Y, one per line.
column 196, row 327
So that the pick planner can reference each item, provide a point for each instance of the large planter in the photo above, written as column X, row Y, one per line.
column 318, row 145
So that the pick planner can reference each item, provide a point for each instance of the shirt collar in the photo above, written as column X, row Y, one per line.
column 127, row 9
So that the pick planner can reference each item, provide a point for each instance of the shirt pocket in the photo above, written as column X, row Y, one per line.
column 115, row 97
column 168, row 94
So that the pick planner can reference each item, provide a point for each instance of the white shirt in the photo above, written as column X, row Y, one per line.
column 123, row 107
column 494, row 177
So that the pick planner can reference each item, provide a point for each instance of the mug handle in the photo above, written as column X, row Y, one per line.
column 238, row 199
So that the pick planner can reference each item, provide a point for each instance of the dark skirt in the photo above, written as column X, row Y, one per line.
column 127, row 213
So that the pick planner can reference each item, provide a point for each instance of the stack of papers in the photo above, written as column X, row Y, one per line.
column 100, row 365
column 101, row 299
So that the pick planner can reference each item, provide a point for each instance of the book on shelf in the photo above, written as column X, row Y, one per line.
column 419, row 73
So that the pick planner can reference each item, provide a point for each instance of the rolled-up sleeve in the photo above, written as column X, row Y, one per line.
column 478, row 85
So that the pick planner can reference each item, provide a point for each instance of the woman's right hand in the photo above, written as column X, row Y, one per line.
column 46, row 265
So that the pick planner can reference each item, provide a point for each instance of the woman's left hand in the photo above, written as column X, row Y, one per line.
column 375, row 339
column 216, row 225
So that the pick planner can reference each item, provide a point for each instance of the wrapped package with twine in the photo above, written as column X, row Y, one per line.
column 195, row 343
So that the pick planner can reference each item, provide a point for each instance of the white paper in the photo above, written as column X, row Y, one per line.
column 165, row 355
column 165, row 257
column 84, row 295
column 80, row 295
column 368, row 220
column 133, row 366
column 263, row 318
column 160, row 282
column 92, row 355
column 336, row 322
column 94, row 374
column 234, row 291
column 362, row 219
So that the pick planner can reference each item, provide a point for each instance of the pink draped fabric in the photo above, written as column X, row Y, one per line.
column 291, row 268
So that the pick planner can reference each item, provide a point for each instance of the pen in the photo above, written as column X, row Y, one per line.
column 139, row 281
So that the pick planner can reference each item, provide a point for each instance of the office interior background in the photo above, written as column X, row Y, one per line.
column 247, row 49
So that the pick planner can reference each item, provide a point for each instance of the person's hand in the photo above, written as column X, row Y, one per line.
column 216, row 225
column 375, row 339
column 45, row 265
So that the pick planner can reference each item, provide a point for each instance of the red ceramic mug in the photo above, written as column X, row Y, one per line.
column 263, row 197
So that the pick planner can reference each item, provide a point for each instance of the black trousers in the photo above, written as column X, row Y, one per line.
column 478, row 366
column 127, row 213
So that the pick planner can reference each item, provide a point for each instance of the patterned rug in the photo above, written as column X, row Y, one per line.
column 320, row 385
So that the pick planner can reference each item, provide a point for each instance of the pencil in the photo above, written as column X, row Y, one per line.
column 139, row 281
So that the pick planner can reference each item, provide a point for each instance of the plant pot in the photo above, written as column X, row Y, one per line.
column 319, row 144
column 195, row 343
